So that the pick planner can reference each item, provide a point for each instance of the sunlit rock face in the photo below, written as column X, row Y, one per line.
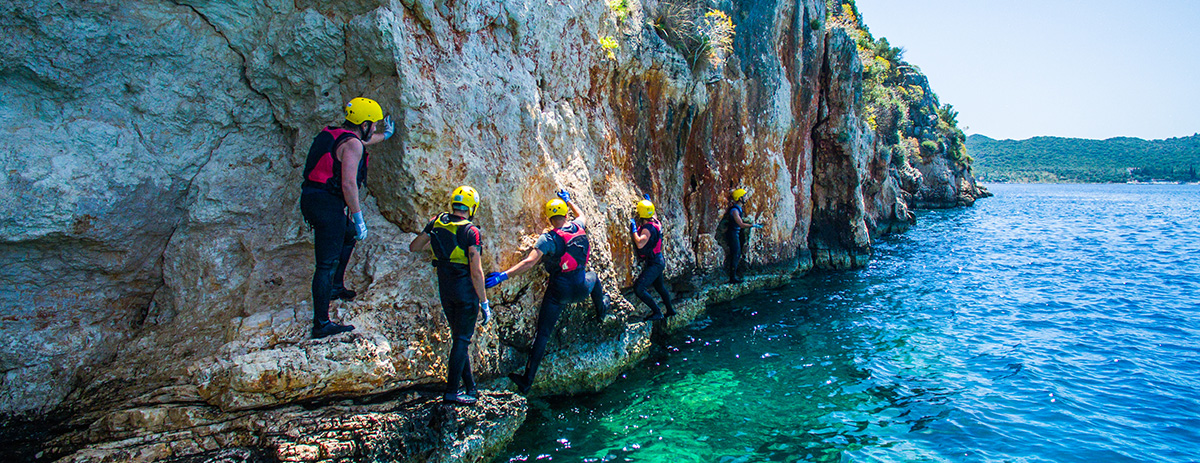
column 152, row 244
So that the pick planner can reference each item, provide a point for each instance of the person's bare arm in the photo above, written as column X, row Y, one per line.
column 641, row 238
column 420, row 243
column 477, row 271
column 383, row 130
column 525, row 264
column 578, row 213
column 376, row 138
column 350, row 153
column 737, row 218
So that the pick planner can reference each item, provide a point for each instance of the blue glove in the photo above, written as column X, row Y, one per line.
column 360, row 226
column 757, row 225
column 646, row 195
column 487, row 312
column 633, row 226
column 388, row 127
column 564, row 195
column 494, row 279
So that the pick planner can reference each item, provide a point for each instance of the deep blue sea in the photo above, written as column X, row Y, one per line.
column 1051, row 323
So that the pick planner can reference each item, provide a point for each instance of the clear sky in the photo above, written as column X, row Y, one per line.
column 1068, row 68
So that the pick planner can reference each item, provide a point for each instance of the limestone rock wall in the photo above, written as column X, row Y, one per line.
column 150, row 235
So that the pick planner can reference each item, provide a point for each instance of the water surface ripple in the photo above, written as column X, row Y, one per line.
column 1052, row 323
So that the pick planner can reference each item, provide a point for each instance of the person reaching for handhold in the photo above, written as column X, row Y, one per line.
column 334, row 173
column 564, row 251
column 733, row 233
column 648, row 239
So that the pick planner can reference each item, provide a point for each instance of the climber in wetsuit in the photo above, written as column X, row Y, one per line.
column 647, row 236
column 733, row 233
column 456, row 245
column 335, row 171
column 564, row 252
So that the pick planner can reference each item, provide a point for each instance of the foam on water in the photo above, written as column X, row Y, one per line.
column 1051, row 323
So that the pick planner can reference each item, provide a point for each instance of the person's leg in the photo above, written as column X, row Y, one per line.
column 339, row 277
column 734, row 240
column 468, row 379
column 596, row 290
column 323, row 213
column 547, row 319
column 461, row 317
column 649, row 273
column 661, row 287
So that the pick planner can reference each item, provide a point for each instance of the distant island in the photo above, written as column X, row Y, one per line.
column 1078, row 160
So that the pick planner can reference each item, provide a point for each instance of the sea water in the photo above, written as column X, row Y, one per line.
column 1051, row 323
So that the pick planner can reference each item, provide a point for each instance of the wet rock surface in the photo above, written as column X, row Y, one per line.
column 155, row 267
column 414, row 427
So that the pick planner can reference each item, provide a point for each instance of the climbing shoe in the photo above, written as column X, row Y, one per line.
column 523, row 384
column 330, row 329
column 459, row 399
column 343, row 294
column 654, row 317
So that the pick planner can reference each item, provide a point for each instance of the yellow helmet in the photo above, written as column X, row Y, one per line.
column 467, row 197
column 362, row 109
column 555, row 208
column 645, row 209
column 739, row 194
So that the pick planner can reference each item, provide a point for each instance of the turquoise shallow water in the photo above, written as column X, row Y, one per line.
column 1051, row 323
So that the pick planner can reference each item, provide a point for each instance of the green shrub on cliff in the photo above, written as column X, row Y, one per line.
column 697, row 30
column 954, row 138
column 929, row 148
column 897, row 101
column 620, row 8
column 948, row 115
column 610, row 46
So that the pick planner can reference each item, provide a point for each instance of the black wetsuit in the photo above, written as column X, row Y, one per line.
column 460, row 303
column 653, row 266
column 562, row 288
column 733, row 238
column 324, row 209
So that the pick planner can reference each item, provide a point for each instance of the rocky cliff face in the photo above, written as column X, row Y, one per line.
column 154, row 257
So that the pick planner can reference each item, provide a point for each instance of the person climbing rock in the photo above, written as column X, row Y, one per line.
column 329, row 199
column 456, row 245
column 733, row 233
column 564, row 251
column 648, row 238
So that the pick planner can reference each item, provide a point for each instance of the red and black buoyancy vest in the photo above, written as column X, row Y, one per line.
column 323, row 169
column 572, row 249
column 653, row 247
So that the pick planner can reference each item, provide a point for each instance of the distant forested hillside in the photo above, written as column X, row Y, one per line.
column 1053, row 159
